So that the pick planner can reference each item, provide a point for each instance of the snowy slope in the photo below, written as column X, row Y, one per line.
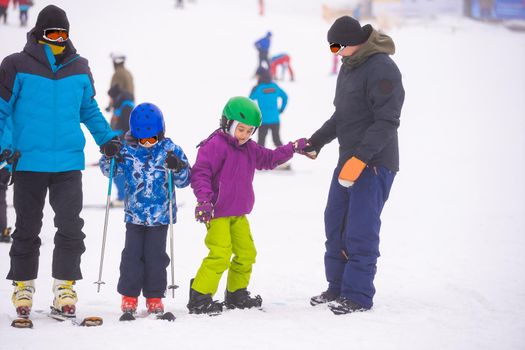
column 451, row 271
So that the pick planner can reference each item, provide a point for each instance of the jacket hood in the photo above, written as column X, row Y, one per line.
column 376, row 43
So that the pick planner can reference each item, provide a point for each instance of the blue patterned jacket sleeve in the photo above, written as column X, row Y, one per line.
column 182, row 178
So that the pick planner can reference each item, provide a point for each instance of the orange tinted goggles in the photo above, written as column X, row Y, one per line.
column 56, row 34
column 336, row 48
column 151, row 140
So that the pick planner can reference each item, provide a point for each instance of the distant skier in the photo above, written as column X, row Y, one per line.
column 282, row 60
column 4, row 5
column 23, row 7
column 47, row 92
column 143, row 160
column 267, row 94
column 222, row 182
column 123, row 103
column 263, row 47
column 122, row 76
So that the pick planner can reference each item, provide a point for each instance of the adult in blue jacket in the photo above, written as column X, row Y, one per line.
column 47, row 92
column 368, row 100
column 267, row 94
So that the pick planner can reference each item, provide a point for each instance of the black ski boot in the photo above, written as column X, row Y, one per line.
column 5, row 235
column 240, row 299
column 342, row 305
column 203, row 303
column 323, row 298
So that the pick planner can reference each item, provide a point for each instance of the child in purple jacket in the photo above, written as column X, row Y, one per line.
column 222, row 182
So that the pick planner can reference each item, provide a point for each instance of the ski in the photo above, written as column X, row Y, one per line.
column 90, row 321
column 129, row 316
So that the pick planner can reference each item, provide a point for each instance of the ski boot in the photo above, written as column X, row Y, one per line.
column 5, row 235
column 241, row 299
column 342, row 305
column 155, row 306
column 325, row 297
column 129, row 304
column 65, row 298
column 23, row 297
column 203, row 303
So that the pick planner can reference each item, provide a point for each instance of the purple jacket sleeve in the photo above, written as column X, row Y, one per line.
column 208, row 163
column 270, row 159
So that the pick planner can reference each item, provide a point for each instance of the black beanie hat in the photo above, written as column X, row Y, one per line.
column 51, row 16
column 348, row 32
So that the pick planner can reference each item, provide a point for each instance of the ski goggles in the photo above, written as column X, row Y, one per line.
column 149, row 141
column 336, row 48
column 56, row 34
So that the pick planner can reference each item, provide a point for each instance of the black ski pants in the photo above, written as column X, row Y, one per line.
column 65, row 197
column 144, row 261
column 263, row 131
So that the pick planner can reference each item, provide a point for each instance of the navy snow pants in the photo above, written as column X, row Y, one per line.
column 65, row 197
column 144, row 261
column 352, row 223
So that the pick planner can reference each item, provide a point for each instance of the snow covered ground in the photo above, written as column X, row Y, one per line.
column 452, row 265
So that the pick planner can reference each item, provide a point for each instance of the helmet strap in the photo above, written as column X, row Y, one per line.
column 232, row 127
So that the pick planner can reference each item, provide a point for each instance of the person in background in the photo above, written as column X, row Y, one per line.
column 267, row 94
column 121, row 77
column 368, row 100
column 263, row 47
column 4, row 5
column 46, row 110
column 282, row 60
column 123, row 103
column 23, row 7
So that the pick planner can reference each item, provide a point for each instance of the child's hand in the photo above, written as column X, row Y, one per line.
column 174, row 163
column 204, row 212
column 304, row 147
column 111, row 148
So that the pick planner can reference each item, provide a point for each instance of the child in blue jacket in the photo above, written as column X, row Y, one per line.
column 267, row 94
column 144, row 160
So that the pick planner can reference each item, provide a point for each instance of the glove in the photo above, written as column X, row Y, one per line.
column 305, row 147
column 13, row 158
column 174, row 163
column 6, row 153
column 111, row 148
column 204, row 212
column 350, row 171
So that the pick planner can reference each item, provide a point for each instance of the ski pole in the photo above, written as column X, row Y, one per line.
column 172, row 286
column 108, row 202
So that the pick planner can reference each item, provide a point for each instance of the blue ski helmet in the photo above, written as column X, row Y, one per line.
column 146, row 120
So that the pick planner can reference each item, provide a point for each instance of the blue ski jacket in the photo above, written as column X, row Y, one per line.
column 46, row 101
column 147, row 197
column 267, row 95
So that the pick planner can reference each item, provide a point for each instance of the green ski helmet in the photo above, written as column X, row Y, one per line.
column 240, row 109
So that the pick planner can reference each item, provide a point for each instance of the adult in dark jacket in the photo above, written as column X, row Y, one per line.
column 47, row 91
column 368, row 100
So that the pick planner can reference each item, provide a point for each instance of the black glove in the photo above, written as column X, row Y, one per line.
column 111, row 148
column 311, row 150
column 13, row 158
column 6, row 153
column 174, row 163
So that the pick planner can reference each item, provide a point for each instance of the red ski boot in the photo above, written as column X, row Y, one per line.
column 129, row 304
column 155, row 306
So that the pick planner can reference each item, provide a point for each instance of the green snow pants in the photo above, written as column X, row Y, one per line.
column 225, row 236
